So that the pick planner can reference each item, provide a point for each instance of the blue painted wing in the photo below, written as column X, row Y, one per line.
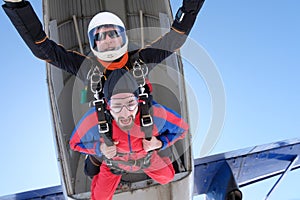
column 248, row 165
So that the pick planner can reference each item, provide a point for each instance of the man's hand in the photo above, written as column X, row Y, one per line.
column 186, row 15
column 109, row 151
column 192, row 6
column 152, row 144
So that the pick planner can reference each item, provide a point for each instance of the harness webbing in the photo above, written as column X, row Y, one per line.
column 104, row 122
column 146, row 115
column 140, row 71
column 142, row 162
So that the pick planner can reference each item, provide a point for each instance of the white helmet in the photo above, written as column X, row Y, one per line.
column 110, row 20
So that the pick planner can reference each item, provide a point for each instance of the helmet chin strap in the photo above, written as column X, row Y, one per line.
column 115, row 64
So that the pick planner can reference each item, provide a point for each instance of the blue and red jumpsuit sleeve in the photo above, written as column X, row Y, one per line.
column 170, row 125
column 85, row 137
column 31, row 30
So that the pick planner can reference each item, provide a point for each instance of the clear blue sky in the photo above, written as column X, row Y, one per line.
column 255, row 46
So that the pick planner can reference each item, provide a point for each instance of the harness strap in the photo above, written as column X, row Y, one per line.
column 96, row 77
column 140, row 70
column 146, row 120
column 104, row 122
column 143, row 163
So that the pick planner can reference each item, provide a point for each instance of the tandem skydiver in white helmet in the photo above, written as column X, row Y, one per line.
column 107, row 36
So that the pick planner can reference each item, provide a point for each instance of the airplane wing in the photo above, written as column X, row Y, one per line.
column 49, row 193
column 244, row 167
column 247, row 166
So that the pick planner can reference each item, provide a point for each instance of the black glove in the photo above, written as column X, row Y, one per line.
column 186, row 15
column 192, row 6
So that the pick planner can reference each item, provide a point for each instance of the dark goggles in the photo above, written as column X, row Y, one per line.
column 101, row 36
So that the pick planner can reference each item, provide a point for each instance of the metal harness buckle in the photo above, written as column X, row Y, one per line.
column 97, row 101
column 95, row 75
column 140, row 71
column 146, row 161
column 135, row 163
column 146, row 120
column 103, row 127
column 108, row 163
column 143, row 95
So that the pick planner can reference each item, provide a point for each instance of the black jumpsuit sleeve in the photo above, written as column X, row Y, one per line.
column 162, row 48
column 31, row 30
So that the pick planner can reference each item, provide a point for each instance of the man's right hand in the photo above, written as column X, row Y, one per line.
column 109, row 151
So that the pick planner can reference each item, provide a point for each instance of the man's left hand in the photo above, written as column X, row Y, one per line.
column 152, row 144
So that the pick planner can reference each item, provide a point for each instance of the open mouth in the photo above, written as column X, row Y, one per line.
column 126, row 121
column 110, row 49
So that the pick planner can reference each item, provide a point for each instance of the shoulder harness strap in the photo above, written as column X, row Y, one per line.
column 96, row 77
column 140, row 71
